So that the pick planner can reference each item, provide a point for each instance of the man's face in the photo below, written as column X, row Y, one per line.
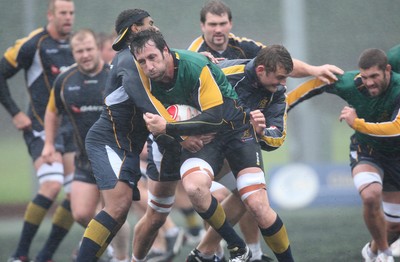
column 86, row 54
column 216, row 31
column 152, row 61
column 148, row 23
column 107, row 52
column 62, row 17
column 375, row 80
column 270, row 81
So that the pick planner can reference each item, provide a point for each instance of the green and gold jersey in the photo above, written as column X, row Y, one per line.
column 378, row 122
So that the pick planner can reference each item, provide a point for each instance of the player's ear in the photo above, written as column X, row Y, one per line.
column 388, row 67
column 260, row 69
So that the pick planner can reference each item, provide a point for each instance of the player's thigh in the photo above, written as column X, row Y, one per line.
column 84, row 198
column 211, row 155
column 242, row 154
column 163, row 161
column 162, row 189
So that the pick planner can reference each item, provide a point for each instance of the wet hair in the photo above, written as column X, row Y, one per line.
column 51, row 4
column 141, row 38
column 373, row 57
column 272, row 56
column 130, row 16
column 215, row 7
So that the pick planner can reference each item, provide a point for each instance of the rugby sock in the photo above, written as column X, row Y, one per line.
column 256, row 251
column 62, row 223
column 34, row 214
column 190, row 215
column 97, row 236
column 215, row 216
column 278, row 241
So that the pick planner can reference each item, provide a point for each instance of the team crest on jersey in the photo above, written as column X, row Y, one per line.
column 263, row 103
column 246, row 136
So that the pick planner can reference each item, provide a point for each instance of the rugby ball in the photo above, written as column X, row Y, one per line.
column 182, row 112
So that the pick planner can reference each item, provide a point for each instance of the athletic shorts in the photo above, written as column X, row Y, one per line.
column 34, row 140
column 163, row 160
column 111, row 164
column 83, row 170
column 240, row 148
column 387, row 164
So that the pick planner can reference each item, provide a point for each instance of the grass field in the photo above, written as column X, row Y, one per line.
column 317, row 234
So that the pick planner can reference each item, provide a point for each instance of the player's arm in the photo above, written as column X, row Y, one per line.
column 20, row 119
column 380, row 129
column 393, row 58
column 306, row 91
column 273, row 134
column 210, row 102
column 137, row 86
column 51, row 125
column 326, row 73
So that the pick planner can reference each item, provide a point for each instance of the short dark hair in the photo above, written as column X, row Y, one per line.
column 130, row 16
column 373, row 57
column 140, row 39
column 272, row 56
column 215, row 7
column 124, row 21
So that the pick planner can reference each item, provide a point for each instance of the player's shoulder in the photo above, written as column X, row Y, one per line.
column 238, row 40
column 26, row 46
column 191, row 57
column 349, row 79
column 197, row 44
column 123, row 59
column 67, row 72
column 394, row 50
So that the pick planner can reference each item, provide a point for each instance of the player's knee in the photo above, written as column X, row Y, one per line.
column 196, row 174
column 250, row 183
column 364, row 180
column 119, row 209
column 219, row 191
column 392, row 216
column 82, row 216
column 162, row 205
column 67, row 183
column 51, row 173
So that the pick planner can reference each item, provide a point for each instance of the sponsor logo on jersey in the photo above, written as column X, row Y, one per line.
column 91, row 82
column 64, row 46
column 91, row 108
column 73, row 88
column 54, row 70
column 86, row 108
column 52, row 51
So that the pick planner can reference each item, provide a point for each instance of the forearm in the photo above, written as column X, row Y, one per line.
column 5, row 97
column 51, row 125
column 204, row 123
column 301, row 69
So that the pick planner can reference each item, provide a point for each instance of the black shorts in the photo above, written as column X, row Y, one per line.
column 240, row 148
column 388, row 164
column 111, row 164
column 34, row 140
column 163, row 160
column 83, row 170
